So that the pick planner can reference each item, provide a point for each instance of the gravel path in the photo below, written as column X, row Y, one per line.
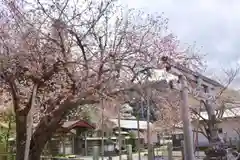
column 176, row 156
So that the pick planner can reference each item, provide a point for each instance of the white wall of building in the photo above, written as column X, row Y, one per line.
column 227, row 126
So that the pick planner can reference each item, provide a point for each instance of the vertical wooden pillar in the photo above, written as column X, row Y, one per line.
column 187, row 129
column 238, row 145
column 183, row 150
column 85, row 144
column 138, row 140
column 149, row 142
column 230, row 142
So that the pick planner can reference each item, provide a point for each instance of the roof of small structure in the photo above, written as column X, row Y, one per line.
column 228, row 113
column 77, row 124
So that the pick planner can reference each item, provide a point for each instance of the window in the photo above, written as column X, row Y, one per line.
column 220, row 130
column 90, row 134
column 179, row 137
column 205, row 89
column 105, row 134
column 158, row 137
column 99, row 133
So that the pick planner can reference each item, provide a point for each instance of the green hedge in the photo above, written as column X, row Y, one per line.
column 7, row 156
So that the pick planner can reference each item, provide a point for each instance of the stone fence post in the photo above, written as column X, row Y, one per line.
column 95, row 153
column 129, row 152
column 169, row 147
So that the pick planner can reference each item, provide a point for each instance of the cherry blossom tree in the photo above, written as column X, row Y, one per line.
column 58, row 55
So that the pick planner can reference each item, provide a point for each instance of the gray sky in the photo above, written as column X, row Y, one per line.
column 212, row 24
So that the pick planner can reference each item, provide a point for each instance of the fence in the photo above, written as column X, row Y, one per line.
column 174, row 153
column 160, row 153
column 167, row 151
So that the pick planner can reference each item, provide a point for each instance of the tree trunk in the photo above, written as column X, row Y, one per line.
column 40, row 137
column 29, row 123
column 35, row 155
column 21, row 122
column 37, row 143
column 43, row 132
column 37, row 146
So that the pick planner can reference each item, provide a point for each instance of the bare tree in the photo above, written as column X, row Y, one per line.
column 224, row 97
column 58, row 55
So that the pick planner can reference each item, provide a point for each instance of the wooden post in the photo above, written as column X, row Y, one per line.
column 73, row 145
column 150, row 152
column 159, row 141
column 169, row 147
column 138, row 140
column 149, row 142
column 235, row 142
column 95, row 153
column 129, row 152
column 238, row 145
column 85, row 144
column 182, row 150
column 102, row 131
column 230, row 142
column 119, row 133
column 187, row 129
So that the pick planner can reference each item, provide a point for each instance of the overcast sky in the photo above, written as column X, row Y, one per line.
column 213, row 24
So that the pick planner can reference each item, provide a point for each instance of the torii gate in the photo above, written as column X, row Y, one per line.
column 206, row 97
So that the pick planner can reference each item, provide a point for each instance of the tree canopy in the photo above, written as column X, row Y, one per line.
column 57, row 55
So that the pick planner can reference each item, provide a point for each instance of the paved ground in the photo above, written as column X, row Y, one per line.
column 162, row 156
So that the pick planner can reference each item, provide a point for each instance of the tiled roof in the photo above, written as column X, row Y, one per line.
column 76, row 123
column 228, row 113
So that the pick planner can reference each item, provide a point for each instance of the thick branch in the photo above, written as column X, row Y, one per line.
column 30, row 122
column 31, row 100
column 65, row 64
column 52, row 71
column 231, row 76
column 79, row 42
column 14, row 93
